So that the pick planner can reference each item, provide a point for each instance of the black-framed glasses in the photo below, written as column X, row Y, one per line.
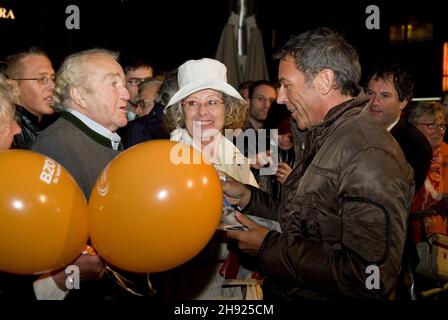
column 43, row 80
column 433, row 126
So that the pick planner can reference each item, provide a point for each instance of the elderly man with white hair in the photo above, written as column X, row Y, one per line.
column 91, row 95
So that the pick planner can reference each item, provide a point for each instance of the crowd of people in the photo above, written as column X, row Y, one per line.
column 350, row 164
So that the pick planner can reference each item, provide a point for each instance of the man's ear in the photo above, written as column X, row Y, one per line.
column 324, row 81
column 404, row 103
column 76, row 97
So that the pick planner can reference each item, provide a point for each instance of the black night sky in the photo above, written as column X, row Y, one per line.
column 167, row 33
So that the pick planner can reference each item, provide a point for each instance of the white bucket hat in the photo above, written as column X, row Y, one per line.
column 196, row 75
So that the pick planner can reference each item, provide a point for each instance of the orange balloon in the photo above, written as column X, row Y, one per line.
column 43, row 214
column 149, row 214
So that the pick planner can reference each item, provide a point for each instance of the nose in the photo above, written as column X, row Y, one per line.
column 125, row 95
column 51, row 84
column 281, row 97
column 203, row 109
column 374, row 100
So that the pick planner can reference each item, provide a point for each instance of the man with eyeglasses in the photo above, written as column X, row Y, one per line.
column 136, row 72
column 148, row 125
column 390, row 89
column 33, row 78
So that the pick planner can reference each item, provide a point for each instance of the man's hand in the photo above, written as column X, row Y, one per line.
column 91, row 267
column 235, row 192
column 249, row 241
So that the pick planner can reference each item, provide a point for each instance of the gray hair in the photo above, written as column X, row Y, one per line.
column 169, row 87
column 415, row 111
column 324, row 48
column 73, row 73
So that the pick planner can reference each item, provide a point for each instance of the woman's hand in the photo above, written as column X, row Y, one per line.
column 283, row 171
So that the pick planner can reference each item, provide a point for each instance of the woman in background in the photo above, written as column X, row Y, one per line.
column 429, row 118
column 278, row 125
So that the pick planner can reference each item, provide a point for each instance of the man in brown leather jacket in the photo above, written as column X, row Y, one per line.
column 343, row 209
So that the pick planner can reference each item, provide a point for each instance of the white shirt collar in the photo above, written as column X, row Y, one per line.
column 95, row 126
column 393, row 124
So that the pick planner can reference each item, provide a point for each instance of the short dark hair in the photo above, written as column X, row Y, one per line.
column 258, row 83
column 401, row 77
column 245, row 85
column 323, row 48
column 134, row 64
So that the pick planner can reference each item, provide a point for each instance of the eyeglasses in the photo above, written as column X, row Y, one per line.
column 194, row 105
column 433, row 126
column 263, row 99
column 43, row 80
column 135, row 82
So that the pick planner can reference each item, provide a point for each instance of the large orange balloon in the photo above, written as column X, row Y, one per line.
column 43, row 214
column 149, row 214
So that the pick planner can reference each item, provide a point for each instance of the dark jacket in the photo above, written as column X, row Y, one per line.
column 146, row 128
column 343, row 208
column 415, row 147
column 31, row 127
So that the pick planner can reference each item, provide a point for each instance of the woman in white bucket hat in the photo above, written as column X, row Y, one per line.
column 197, row 115
column 203, row 107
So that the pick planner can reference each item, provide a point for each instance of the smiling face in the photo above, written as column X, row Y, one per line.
column 384, row 105
column 301, row 97
column 105, row 96
column 204, row 114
